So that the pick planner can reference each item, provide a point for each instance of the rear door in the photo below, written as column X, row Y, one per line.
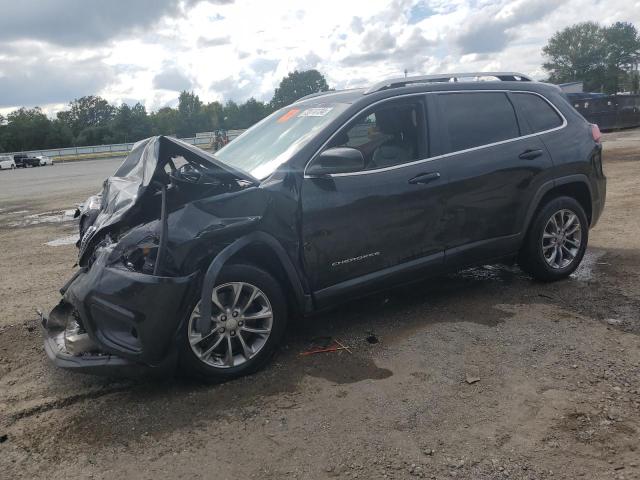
column 495, row 166
column 367, row 227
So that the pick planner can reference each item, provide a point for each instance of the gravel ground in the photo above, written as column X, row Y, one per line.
column 484, row 374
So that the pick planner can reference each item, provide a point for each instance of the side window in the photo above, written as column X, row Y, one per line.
column 537, row 111
column 475, row 119
column 389, row 134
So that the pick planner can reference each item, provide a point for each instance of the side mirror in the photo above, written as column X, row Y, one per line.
column 336, row 160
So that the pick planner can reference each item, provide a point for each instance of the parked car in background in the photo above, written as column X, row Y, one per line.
column 44, row 160
column 24, row 161
column 7, row 162
column 203, row 259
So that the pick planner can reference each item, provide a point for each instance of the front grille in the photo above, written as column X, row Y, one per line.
column 85, row 239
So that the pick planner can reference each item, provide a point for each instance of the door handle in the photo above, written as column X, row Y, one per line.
column 425, row 178
column 530, row 154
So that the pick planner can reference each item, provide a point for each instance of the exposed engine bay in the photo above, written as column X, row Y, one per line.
column 130, row 217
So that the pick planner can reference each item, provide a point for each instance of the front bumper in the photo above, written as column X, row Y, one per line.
column 132, row 320
column 94, row 362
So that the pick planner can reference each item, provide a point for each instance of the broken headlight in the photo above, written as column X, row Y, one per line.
column 142, row 256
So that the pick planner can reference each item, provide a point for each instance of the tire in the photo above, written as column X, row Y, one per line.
column 549, row 253
column 218, row 366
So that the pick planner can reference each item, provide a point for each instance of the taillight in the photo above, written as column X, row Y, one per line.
column 595, row 132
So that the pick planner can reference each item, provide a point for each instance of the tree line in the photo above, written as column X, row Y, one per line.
column 92, row 120
column 604, row 58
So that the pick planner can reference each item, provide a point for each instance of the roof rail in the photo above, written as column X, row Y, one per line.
column 445, row 77
column 316, row 94
column 326, row 92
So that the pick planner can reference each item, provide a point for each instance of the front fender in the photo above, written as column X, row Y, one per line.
column 211, row 275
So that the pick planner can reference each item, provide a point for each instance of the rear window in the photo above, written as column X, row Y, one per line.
column 539, row 114
column 475, row 119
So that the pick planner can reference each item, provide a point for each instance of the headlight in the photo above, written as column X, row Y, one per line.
column 142, row 256
column 94, row 202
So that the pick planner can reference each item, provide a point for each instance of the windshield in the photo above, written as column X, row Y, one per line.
column 271, row 142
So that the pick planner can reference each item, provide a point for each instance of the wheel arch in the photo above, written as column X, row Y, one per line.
column 264, row 251
column 574, row 186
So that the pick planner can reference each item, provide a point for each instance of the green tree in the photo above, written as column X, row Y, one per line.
column 130, row 124
column 576, row 54
column 59, row 135
column 231, row 115
column 26, row 129
column 215, row 115
column 595, row 55
column 622, row 43
column 192, row 116
column 164, row 121
column 99, row 135
column 296, row 85
column 250, row 112
column 2, row 134
column 87, row 112
column 141, row 123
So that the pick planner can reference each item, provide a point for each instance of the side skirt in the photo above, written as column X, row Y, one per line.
column 477, row 253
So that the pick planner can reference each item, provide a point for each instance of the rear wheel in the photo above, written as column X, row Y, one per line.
column 556, row 241
column 248, row 319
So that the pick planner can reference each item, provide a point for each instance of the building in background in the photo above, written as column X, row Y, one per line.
column 572, row 87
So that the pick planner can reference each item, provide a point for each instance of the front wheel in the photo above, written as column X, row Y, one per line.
column 248, row 319
column 556, row 241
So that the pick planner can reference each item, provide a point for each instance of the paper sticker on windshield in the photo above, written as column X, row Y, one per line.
column 315, row 112
column 290, row 114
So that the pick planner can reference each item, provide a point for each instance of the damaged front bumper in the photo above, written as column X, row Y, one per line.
column 111, row 318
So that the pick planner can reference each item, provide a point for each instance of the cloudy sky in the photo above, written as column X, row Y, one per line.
column 52, row 51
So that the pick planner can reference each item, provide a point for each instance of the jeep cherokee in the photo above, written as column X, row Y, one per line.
column 199, row 260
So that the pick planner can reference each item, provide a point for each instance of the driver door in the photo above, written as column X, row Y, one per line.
column 375, row 226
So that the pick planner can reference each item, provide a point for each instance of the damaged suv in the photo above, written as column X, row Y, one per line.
column 197, row 260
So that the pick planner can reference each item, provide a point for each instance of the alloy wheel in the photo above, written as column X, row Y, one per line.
column 561, row 239
column 242, row 320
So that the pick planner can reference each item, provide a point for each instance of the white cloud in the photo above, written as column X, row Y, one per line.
column 234, row 50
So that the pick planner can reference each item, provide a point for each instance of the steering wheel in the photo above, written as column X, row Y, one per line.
column 188, row 173
column 195, row 175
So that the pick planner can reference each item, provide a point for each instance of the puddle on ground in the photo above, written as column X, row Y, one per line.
column 69, row 240
column 506, row 273
column 343, row 368
column 498, row 273
column 585, row 271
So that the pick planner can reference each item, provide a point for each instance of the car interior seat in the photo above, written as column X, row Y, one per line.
column 400, row 125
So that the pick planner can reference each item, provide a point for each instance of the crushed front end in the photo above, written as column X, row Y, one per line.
column 144, row 242
column 113, row 317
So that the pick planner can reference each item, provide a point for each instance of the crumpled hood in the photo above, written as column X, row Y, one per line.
column 128, row 185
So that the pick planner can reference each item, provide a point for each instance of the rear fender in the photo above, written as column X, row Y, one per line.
column 546, row 188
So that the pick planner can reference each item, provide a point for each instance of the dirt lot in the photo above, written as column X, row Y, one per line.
column 558, row 394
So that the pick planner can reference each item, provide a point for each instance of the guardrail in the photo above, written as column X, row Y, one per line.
column 199, row 140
